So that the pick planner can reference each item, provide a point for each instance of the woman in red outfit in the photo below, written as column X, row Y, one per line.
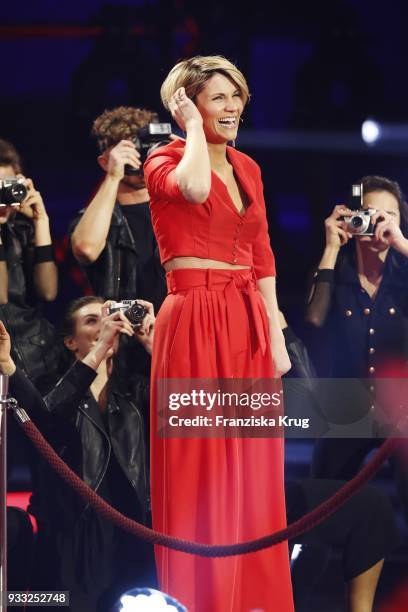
column 219, row 320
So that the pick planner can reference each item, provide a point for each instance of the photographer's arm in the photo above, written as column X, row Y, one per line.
column 66, row 396
column 320, row 295
column 3, row 274
column 45, row 269
column 89, row 237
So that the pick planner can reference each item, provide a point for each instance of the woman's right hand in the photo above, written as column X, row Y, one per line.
column 336, row 233
column 111, row 327
column 184, row 111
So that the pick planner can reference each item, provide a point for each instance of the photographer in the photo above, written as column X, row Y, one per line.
column 28, row 274
column 94, row 420
column 113, row 237
column 360, row 300
column 362, row 538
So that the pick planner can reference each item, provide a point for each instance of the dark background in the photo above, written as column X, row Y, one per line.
column 316, row 70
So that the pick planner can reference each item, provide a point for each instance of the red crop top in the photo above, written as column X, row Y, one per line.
column 214, row 229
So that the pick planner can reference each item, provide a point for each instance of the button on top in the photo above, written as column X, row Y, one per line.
column 349, row 313
column 371, row 331
column 366, row 311
column 391, row 311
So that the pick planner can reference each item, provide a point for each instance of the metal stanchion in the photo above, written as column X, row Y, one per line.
column 3, row 484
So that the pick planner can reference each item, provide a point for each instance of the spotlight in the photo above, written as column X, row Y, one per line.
column 148, row 600
column 297, row 549
column 370, row 131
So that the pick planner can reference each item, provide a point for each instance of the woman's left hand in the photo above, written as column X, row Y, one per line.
column 389, row 232
column 33, row 205
column 280, row 359
column 183, row 110
column 145, row 332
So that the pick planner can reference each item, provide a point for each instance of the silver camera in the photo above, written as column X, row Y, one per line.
column 359, row 223
column 12, row 192
column 132, row 310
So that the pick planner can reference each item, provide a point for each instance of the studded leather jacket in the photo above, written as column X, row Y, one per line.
column 360, row 336
column 70, row 419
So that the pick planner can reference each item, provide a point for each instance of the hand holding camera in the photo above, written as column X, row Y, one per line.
column 388, row 231
column 121, row 155
column 32, row 205
column 140, row 315
column 113, row 324
column 336, row 227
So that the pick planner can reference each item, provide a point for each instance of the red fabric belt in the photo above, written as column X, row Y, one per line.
column 232, row 283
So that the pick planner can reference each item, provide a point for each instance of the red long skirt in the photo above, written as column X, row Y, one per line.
column 213, row 324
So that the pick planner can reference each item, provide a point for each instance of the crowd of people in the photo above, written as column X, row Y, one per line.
column 186, row 235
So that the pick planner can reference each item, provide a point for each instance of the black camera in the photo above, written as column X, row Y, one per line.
column 132, row 310
column 12, row 192
column 359, row 223
column 148, row 138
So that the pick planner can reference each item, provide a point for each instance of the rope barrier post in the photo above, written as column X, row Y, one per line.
column 3, row 484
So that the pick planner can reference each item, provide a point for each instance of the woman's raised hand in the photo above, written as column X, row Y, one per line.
column 111, row 327
column 335, row 227
column 184, row 111
column 388, row 231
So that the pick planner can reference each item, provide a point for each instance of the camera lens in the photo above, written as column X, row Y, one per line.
column 356, row 222
column 18, row 192
column 12, row 193
column 136, row 313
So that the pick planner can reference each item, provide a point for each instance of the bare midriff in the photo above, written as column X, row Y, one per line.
column 177, row 263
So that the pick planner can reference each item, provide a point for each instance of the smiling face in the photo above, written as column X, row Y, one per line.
column 220, row 104
column 87, row 325
column 380, row 201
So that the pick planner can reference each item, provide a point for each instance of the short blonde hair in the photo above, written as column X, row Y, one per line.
column 193, row 73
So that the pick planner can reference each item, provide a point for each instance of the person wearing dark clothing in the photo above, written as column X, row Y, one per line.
column 359, row 300
column 362, row 537
column 363, row 530
column 20, row 543
column 28, row 275
column 366, row 333
column 113, row 237
column 95, row 422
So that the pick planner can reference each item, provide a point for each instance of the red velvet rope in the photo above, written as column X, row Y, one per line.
column 307, row 522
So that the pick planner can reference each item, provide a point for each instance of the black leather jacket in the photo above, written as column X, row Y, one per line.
column 70, row 419
column 114, row 275
column 34, row 343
